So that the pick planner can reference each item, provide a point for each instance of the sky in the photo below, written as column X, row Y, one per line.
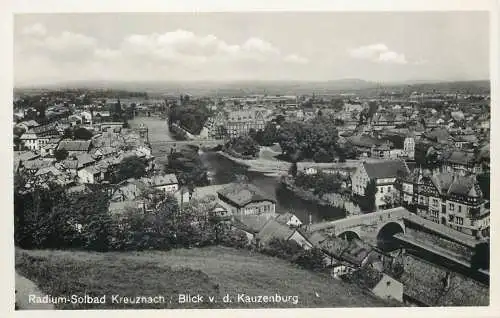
column 309, row 46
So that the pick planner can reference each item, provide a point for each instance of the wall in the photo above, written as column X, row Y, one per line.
column 257, row 208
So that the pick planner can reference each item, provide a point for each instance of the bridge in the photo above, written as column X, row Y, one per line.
column 371, row 227
column 200, row 143
column 381, row 226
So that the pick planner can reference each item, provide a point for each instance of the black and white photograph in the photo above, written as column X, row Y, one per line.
column 251, row 159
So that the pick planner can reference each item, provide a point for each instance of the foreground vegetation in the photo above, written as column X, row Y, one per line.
column 214, row 271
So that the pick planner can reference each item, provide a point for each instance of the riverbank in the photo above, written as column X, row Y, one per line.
column 304, row 194
column 265, row 164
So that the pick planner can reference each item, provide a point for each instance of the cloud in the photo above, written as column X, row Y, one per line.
column 294, row 58
column 68, row 41
column 36, row 29
column 185, row 46
column 378, row 53
column 177, row 53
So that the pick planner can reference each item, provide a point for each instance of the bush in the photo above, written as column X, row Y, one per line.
column 310, row 259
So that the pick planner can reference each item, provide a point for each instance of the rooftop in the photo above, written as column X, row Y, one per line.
column 385, row 169
column 242, row 194
column 273, row 229
column 74, row 145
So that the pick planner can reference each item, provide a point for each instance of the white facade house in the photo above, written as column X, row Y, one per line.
column 384, row 173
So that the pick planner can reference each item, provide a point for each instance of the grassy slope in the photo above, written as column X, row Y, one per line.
column 208, row 271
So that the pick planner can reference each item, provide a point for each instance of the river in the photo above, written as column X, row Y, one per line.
column 224, row 170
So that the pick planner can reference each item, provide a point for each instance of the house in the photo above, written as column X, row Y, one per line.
column 90, row 174
column 37, row 137
column 167, row 183
column 453, row 200
column 462, row 163
column 111, row 126
column 237, row 122
column 75, row 120
column 246, row 199
column 275, row 230
column 363, row 143
column 380, row 284
column 220, row 215
column 27, row 125
column 75, row 147
column 101, row 116
column 289, row 219
column 250, row 224
column 384, row 173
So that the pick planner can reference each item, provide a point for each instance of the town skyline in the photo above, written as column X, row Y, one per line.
column 219, row 47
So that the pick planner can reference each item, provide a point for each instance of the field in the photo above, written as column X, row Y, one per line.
column 212, row 271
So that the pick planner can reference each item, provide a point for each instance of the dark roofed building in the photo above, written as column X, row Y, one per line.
column 75, row 146
column 246, row 199
column 384, row 173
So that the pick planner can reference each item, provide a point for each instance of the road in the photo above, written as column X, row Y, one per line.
column 25, row 288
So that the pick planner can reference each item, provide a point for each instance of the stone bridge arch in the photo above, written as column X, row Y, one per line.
column 385, row 233
column 350, row 235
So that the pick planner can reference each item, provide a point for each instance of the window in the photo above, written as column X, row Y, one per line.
column 460, row 220
column 381, row 189
column 434, row 201
column 451, row 207
column 459, row 209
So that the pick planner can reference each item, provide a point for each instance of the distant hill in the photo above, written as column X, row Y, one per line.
column 213, row 271
column 238, row 88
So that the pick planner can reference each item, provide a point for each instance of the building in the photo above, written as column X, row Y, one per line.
column 75, row 147
column 463, row 163
column 275, row 230
column 384, row 173
column 289, row 219
column 453, row 200
column 236, row 122
column 409, row 147
column 246, row 199
column 37, row 137
column 167, row 183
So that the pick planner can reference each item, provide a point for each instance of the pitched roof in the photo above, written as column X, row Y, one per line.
column 25, row 155
column 385, row 169
column 284, row 218
column 460, row 157
column 84, row 159
column 465, row 185
column 242, row 194
column 273, row 229
column 442, row 181
column 164, row 180
column 74, row 145
column 251, row 223
column 36, row 164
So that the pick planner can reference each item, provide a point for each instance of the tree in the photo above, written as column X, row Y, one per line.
column 82, row 134
column 131, row 167
column 368, row 205
column 293, row 169
column 280, row 119
column 312, row 259
column 392, row 199
column 61, row 154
